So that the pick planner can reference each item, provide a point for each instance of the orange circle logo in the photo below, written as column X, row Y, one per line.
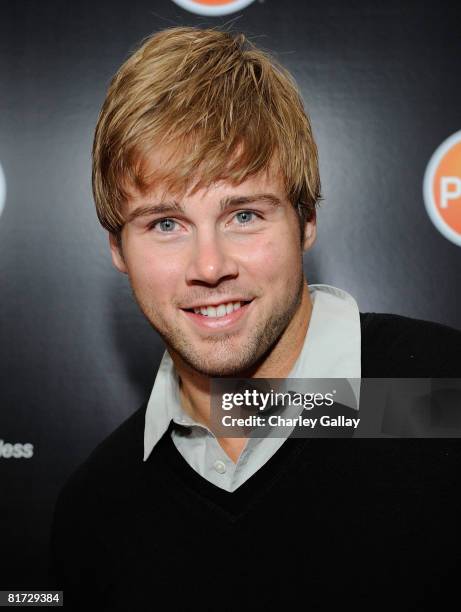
column 442, row 188
column 212, row 7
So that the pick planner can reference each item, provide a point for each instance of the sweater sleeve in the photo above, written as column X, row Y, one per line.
column 72, row 548
column 88, row 519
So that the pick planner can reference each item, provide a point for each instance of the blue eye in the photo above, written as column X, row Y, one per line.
column 166, row 224
column 246, row 214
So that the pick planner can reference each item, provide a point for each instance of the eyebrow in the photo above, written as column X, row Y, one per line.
column 227, row 202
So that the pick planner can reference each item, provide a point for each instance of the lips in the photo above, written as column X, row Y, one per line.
column 218, row 310
column 226, row 321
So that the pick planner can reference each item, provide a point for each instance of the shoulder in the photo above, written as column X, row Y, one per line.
column 398, row 346
column 92, row 505
column 112, row 466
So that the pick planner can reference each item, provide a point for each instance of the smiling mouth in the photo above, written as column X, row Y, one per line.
column 217, row 312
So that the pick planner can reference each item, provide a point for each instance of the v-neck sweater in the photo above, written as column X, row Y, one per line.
column 325, row 522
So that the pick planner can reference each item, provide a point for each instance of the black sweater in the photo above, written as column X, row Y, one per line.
column 365, row 523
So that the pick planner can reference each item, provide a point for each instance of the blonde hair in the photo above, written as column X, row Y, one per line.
column 205, row 92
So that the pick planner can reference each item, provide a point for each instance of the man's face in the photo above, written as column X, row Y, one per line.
column 234, row 248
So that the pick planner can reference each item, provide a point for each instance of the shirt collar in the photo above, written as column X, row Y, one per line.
column 331, row 349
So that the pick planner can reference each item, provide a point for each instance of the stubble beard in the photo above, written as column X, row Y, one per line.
column 220, row 357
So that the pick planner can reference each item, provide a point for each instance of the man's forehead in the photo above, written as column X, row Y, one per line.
column 267, row 182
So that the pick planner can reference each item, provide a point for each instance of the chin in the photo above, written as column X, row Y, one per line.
column 218, row 370
column 226, row 356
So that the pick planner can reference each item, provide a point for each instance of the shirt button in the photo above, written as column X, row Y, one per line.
column 220, row 466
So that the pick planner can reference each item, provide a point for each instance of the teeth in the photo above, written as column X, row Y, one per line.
column 220, row 311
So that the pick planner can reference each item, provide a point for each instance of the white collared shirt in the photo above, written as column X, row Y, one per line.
column 331, row 349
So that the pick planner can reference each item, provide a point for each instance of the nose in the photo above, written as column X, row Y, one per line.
column 210, row 260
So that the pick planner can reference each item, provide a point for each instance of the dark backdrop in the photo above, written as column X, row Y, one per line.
column 381, row 81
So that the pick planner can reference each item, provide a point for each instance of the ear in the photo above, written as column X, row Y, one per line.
column 117, row 254
column 310, row 234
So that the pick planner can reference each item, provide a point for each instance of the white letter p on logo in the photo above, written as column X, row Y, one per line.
column 450, row 189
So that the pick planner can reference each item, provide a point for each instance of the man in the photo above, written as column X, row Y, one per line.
column 205, row 174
